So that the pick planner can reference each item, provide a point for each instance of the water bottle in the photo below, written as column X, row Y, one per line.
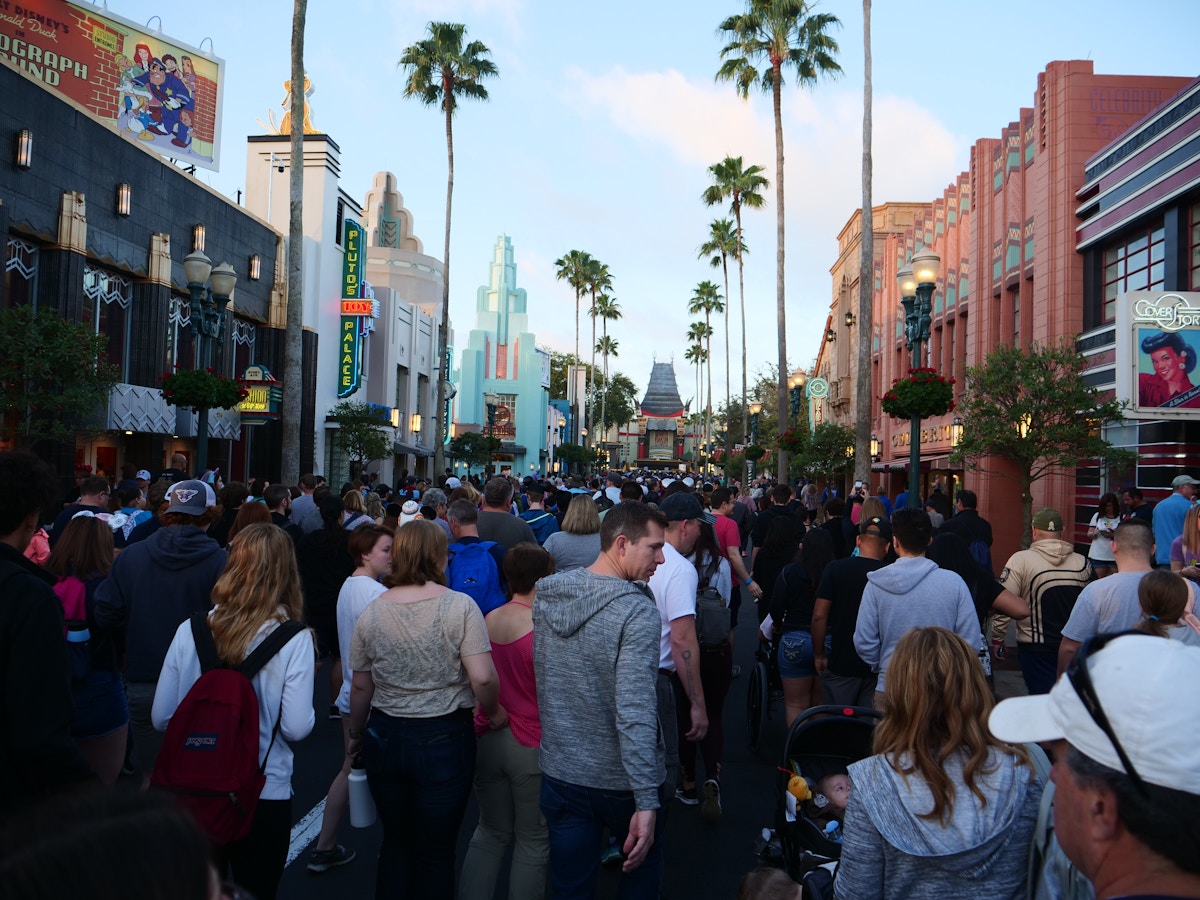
column 833, row 831
column 362, row 804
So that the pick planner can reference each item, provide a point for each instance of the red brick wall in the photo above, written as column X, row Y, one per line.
column 204, row 116
column 102, row 70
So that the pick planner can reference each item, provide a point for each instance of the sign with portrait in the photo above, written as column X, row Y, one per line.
column 1158, row 339
column 154, row 90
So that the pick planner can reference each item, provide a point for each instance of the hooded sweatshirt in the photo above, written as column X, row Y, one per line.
column 1049, row 575
column 152, row 587
column 981, row 851
column 595, row 660
column 913, row 592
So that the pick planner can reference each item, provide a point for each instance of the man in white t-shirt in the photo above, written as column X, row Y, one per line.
column 674, row 586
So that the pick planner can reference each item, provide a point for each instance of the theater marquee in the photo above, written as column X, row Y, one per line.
column 1158, row 342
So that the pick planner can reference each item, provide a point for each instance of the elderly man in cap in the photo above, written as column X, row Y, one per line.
column 1168, row 516
column 153, row 586
column 1127, row 774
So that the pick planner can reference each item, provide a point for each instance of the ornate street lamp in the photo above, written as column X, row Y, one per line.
column 207, row 316
column 956, row 431
column 755, row 409
column 917, row 281
column 795, row 392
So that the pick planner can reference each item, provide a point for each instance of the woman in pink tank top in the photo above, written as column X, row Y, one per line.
column 508, row 777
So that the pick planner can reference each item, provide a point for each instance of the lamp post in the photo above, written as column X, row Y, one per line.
column 207, row 316
column 795, row 393
column 917, row 281
column 491, row 401
column 755, row 409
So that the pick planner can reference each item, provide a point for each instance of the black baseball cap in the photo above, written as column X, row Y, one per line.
column 682, row 506
column 876, row 525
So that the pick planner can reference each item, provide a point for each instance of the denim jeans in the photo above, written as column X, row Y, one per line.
column 576, row 817
column 420, row 773
column 796, row 654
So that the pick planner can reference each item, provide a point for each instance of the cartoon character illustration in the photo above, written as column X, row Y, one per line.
column 188, row 74
column 1172, row 360
column 183, row 131
column 141, row 60
column 136, row 117
column 168, row 95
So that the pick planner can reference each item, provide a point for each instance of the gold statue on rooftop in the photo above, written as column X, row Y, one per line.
column 285, row 124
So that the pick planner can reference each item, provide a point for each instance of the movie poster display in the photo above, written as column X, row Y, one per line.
column 1158, row 342
column 155, row 90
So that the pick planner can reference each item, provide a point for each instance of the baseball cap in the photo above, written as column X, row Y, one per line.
column 1047, row 520
column 689, row 481
column 1136, row 679
column 452, row 482
column 190, row 497
column 876, row 525
column 1183, row 479
column 142, row 475
column 681, row 506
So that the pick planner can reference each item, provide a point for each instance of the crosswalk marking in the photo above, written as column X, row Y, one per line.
column 305, row 832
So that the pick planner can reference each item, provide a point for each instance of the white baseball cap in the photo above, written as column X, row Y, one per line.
column 1138, row 680
column 453, row 482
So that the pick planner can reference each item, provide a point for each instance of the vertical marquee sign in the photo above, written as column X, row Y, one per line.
column 350, row 335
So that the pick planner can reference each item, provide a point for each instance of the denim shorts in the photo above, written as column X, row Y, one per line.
column 796, row 654
column 100, row 705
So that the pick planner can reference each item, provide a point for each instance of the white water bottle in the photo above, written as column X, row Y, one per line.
column 362, row 804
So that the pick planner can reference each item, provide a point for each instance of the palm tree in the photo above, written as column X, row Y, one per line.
column 606, row 347
column 700, row 334
column 866, row 278
column 293, row 340
column 723, row 243
column 607, row 308
column 572, row 268
column 741, row 188
column 599, row 280
column 707, row 300
column 440, row 70
column 778, row 32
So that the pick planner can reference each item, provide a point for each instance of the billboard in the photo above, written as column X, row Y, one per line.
column 1158, row 339
column 153, row 89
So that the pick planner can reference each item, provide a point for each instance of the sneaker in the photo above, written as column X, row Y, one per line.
column 324, row 860
column 335, row 714
column 687, row 796
column 736, row 671
column 711, row 810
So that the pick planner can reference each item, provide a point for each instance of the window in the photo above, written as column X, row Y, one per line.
column 243, row 334
column 1016, row 318
column 1134, row 265
column 1194, row 245
column 338, row 222
column 181, row 346
column 106, row 299
column 20, row 273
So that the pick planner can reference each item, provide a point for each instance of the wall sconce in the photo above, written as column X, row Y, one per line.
column 874, row 447
column 850, row 319
column 198, row 238
column 956, row 431
column 830, row 335
column 124, row 197
column 24, row 149
column 1023, row 424
column 255, row 267
column 394, row 417
column 415, row 424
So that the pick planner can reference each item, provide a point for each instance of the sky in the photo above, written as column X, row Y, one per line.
column 605, row 117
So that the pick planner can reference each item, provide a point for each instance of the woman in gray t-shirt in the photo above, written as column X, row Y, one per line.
column 578, row 544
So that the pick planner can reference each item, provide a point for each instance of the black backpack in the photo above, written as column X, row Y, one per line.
column 713, row 622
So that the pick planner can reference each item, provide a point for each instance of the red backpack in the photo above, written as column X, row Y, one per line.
column 209, row 757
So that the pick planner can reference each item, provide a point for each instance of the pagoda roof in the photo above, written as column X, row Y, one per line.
column 662, row 400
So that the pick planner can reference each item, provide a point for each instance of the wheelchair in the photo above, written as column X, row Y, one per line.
column 764, row 688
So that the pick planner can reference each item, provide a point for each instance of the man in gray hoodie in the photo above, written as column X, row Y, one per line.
column 911, row 592
column 595, row 656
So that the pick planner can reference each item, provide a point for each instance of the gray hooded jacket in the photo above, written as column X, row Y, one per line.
column 595, row 659
column 910, row 593
column 982, row 851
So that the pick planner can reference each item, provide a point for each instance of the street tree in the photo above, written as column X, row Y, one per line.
column 706, row 299
column 723, row 243
column 774, row 34
column 55, row 376
column 599, row 280
column 572, row 267
column 620, row 401
column 474, row 448
column 741, row 187
column 440, row 70
column 1028, row 413
column 826, row 455
column 606, row 347
column 362, row 433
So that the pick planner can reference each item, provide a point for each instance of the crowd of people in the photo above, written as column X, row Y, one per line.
column 562, row 649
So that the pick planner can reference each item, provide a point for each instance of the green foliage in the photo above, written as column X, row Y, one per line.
column 202, row 389
column 754, row 452
column 922, row 394
column 441, row 69
column 571, row 453
column 362, row 433
column 54, row 376
column 1041, row 391
column 473, row 448
column 559, row 362
column 619, row 401
column 777, row 34
column 826, row 456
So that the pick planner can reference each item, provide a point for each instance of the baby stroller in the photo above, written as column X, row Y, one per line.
column 822, row 741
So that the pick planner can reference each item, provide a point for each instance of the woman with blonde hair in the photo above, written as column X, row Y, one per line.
column 943, row 808
column 258, row 593
column 356, row 509
column 422, row 662
column 1185, row 549
column 577, row 545
column 374, row 507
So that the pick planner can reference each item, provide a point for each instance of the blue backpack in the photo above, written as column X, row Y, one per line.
column 473, row 571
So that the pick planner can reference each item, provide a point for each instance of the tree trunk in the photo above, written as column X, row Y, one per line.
column 737, row 214
column 866, row 280
column 1026, row 507
column 708, row 404
column 293, row 341
column 571, row 382
column 728, row 397
column 592, row 377
column 441, row 425
column 781, row 400
column 604, row 396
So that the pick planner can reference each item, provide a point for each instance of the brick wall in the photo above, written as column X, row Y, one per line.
column 204, row 116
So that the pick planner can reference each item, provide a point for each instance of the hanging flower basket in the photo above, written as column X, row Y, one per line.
column 754, row 452
column 202, row 389
column 794, row 440
column 923, row 394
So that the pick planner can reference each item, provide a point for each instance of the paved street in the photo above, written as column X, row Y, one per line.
column 702, row 860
